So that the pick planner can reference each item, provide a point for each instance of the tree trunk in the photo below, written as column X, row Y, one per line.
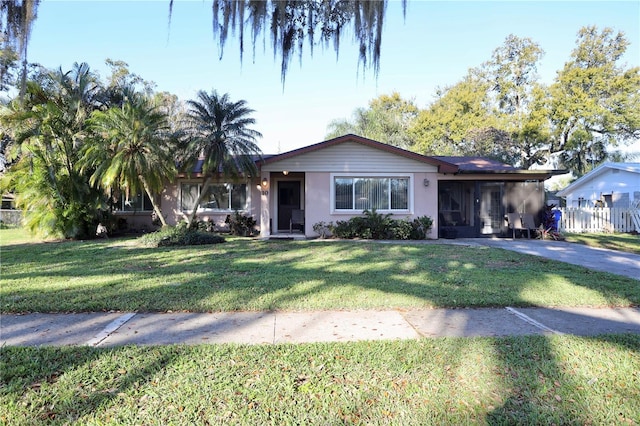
column 156, row 208
column 192, row 216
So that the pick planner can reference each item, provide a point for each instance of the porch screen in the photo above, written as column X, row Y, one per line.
column 380, row 193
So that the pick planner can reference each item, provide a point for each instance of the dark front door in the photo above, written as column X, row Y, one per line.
column 288, row 200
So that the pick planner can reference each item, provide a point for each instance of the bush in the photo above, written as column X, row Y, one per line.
column 401, row 230
column 422, row 226
column 180, row 235
column 379, row 226
column 376, row 226
column 204, row 226
column 348, row 228
column 323, row 229
column 241, row 225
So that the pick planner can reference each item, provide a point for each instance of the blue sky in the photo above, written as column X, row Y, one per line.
column 434, row 46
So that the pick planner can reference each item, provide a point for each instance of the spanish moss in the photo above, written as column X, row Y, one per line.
column 291, row 22
column 16, row 18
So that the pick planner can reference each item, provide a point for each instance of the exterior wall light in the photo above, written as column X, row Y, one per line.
column 285, row 172
column 425, row 182
column 265, row 183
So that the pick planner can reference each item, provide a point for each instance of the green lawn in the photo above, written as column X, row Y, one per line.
column 243, row 274
column 523, row 380
column 622, row 242
column 516, row 380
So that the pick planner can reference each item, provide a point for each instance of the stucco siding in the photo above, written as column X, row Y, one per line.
column 318, row 204
column 426, row 199
column 349, row 157
column 318, row 208
column 170, row 205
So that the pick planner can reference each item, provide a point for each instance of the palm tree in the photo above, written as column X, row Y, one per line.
column 47, row 128
column 131, row 149
column 218, row 133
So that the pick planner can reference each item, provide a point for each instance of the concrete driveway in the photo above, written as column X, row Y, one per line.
column 615, row 262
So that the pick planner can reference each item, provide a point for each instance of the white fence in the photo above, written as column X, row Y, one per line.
column 585, row 219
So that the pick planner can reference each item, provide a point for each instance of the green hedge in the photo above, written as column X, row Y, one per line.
column 180, row 236
column 377, row 226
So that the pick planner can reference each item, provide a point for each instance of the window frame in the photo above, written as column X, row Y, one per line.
column 410, row 191
column 231, row 190
column 123, row 210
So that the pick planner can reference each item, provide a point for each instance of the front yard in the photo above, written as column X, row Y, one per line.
column 246, row 274
column 515, row 380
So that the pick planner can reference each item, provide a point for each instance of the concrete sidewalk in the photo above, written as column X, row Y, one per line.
column 115, row 329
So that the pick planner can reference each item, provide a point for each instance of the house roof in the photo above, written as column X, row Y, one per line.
column 593, row 174
column 443, row 166
column 478, row 164
column 488, row 166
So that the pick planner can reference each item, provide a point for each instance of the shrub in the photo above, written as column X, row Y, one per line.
column 241, row 225
column 401, row 230
column 205, row 226
column 351, row 228
column 378, row 226
column 323, row 229
column 422, row 226
column 180, row 235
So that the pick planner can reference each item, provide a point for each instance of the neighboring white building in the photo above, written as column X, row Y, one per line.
column 608, row 185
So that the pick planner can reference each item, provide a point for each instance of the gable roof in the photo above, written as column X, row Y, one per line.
column 601, row 169
column 443, row 166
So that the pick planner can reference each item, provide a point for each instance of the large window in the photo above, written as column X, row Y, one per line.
column 134, row 203
column 380, row 193
column 222, row 197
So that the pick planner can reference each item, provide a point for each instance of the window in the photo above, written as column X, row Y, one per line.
column 225, row 197
column 380, row 193
column 136, row 203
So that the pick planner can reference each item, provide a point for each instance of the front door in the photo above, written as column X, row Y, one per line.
column 288, row 200
column 491, row 209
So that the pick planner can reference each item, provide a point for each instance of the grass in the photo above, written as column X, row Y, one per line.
column 621, row 242
column 15, row 235
column 120, row 275
column 558, row 379
column 520, row 380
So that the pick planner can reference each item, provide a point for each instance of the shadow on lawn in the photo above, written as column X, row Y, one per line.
column 256, row 275
column 45, row 369
column 243, row 276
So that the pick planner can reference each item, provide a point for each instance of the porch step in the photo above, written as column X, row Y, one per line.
column 287, row 237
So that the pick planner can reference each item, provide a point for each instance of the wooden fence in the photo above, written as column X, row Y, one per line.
column 585, row 219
